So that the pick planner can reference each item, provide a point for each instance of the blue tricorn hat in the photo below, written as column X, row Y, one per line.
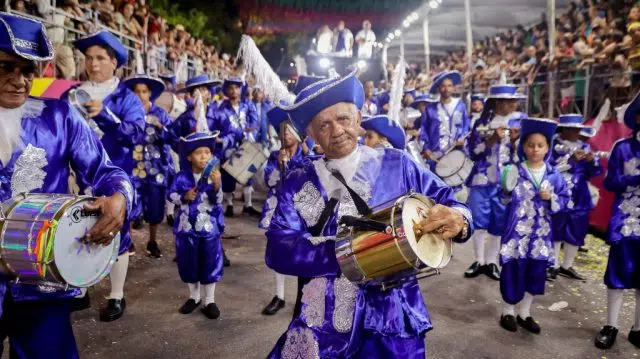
column 477, row 97
column 504, row 91
column 198, row 81
column 631, row 112
column 304, row 81
column 387, row 128
column 169, row 78
column 588, row 132
column 572, row 120
column 429, row 98
column 193, row 141
column 106, row 39
column 454, row 76
column 156, row 86
column 235, row 80
column 530, row 126
column 24, row 37
column 322, row 94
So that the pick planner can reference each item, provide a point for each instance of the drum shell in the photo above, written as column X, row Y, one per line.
column 460, row 174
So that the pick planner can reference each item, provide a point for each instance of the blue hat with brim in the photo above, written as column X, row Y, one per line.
column 410, row 91
column 156, row 86
column 430, row 98
column 232, row 81
column 322, row 94
column 169, row 78
column 199, row 81
column 477, row 97
column 192, row 142
column 387, row 128
column 103, row 39
column 276, row 115
column 573, row 120
column 588, row 132
column 530, row 126
column 24, row 37
column 305, row 81
column 631, row 112
column 504, row 92
column 454, row 76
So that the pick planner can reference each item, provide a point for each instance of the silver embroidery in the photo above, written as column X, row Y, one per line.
column 345, row 293
column 313, row 298
column 318, row 240
column 480, row 148
column 479, row 179
column 309, row 203
column 184, row 225
column 25, row 44
column 540, row 249
column 509, row 250
column 271, row 204
column 175, row 198
column 631, row 167
column 203, row 219
column 300, row 344
column 274, row 177
column 28, row 173
column 347, row 206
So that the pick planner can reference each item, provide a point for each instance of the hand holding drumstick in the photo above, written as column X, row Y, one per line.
column 443, row 220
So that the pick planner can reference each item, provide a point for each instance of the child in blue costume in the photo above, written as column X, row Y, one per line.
column 537, row 192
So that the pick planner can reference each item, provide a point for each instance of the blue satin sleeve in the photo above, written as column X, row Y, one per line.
column 560, row 193
column 477, row 148
column 272, row 165
column 127, row 126
column 616, row 181
column 252, row 119
column 91, row 163
column 179, row 187
column 289, row 249
column 465, row 127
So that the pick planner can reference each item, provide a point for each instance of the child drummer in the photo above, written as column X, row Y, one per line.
column 196, row 190
column 382, row 132
column 576, row 162
column 537, row 191
column 623, row 268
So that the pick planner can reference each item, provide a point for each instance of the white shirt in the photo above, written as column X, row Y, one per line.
column 365, row 50
column 347, row 166
column 100, row 90
column 324, row 42
column 537, row 173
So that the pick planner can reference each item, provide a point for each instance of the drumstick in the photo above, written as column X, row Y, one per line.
column 283, row 127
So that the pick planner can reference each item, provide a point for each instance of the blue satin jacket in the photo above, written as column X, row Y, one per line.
column 440, row 130
column 57, row 138
column 232, row 125
column 197, row 217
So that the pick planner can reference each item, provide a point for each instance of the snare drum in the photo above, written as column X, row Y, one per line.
column 454, row 168
column 41, row 242
column 397, row 252
column 245, row 162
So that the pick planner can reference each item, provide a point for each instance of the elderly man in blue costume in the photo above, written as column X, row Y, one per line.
column 336, row 318
column 445, row 122
column 236, row 120
column 40, row 140
column 154, row 167
column 623, row 234
column 491, row 150
column 119, row 116
column 577, row 163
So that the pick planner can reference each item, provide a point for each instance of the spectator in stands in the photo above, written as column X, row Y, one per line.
column 127, row 23
column 324, row 40
column 366, row 39
column 342, row 40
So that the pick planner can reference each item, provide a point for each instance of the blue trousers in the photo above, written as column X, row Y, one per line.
column 623, row 267
column 522, row 275
column 153, row 201
column 200, row 259
column 570, row 227
column 489, row 213
column 38, row 329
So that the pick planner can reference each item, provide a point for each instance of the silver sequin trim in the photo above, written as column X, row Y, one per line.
column 347, row 206
column 631, row 167
column 318, row 240
column 271, row 204
column 313, row 298
column 175, row 198
column 300, row 344
column 309, row 203
column 345, row 293
column 203, row 219
column 184, row 225
column 274, row 177
column 28, row 173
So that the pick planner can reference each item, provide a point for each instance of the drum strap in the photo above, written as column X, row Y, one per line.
column 361, row 205
column 316, row 230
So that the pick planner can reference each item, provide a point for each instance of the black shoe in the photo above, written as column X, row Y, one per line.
column 114, row 310
column 529, row 324
column 225, row 261
column 492, row 271
column 607, row 337
column 170, row 220
column 583, row 250
column 137, row 223
column 552, row 274
column 189, row 306
column 250, row 211
column 570, row 273
column 273, row 307
column 211, row 311
column 229, row 211
column 153, row 249
column 474, row 270
column 81, row 303
column 634, row 337
column 508, row 322
column 132, row 249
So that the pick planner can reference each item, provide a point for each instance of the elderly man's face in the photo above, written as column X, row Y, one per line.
column 16, row 77
column 336, row 128
column 99, row 65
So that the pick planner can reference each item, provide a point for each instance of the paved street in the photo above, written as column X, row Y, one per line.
column 465, row 312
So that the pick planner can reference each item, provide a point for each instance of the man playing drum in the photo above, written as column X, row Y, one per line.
column 39, row 141
column 333, row 317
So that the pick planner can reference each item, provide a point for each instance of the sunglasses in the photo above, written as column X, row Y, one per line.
column 27, row 70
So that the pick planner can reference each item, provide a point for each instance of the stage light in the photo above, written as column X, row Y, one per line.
column 414, row 15
column 388, row 40
column 291, row 64
column 397, row 32
column 391, row 36
column 439, row 1
column 433, row 4
column 324, row 63
column 406, row 23
column 362, row 64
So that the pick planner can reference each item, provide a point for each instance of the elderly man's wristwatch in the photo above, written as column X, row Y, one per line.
column 465, row 229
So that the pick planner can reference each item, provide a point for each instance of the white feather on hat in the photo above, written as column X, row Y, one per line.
column 397, row 89
column 201, row 118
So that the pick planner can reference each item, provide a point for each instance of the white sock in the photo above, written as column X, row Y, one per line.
column 194, row 291
column 247, row 191
column 493, row 249
column 118, row 276
column 614, row 303
column 570, row 253
column 280, row 285
column 478, row 245
column 556, row 254
column 636, row 326
column 171, row 207
column 228, row 197
column 209, row 293
column 509, row 309
column 525, row 306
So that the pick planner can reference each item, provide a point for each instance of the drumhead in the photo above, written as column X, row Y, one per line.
column 450, row 163
column 81, row 264
column 429, row 248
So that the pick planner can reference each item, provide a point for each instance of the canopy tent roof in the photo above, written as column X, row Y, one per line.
column 447, row 24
